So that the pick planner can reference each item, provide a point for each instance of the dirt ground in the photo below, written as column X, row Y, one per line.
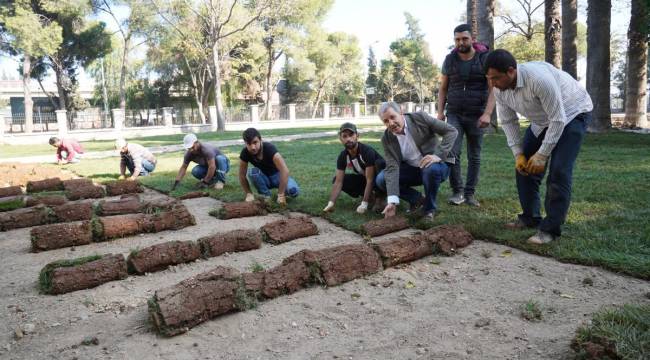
column 18, row 174
column 462, row 307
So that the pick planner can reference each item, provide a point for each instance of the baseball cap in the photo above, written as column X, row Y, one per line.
column 189, row 140
column 348, row 126
column 120, row 143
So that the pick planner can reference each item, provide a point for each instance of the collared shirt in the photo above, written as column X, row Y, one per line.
column 137, row 153
column 71, row 147
column 548, row 97
column 410, row 155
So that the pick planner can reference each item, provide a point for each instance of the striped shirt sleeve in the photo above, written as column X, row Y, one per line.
column 510, row 126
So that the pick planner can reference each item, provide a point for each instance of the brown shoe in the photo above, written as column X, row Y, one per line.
column 516, row 225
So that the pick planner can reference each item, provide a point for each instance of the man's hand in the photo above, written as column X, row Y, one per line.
column 389, row 210
column 329, row 207
column 536, row 164
column 201, row 185
column 121, row 177
column 132, row 178
column 249, row 197
column 484, row 120
column 428, row 160
column 520, row 164
column 441, row 116
column 282, row 200
column 176, row 182
column 362, row 208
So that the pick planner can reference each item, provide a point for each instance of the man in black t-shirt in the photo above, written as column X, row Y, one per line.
column 269, row 171
column 212, row 164
column 363, row 160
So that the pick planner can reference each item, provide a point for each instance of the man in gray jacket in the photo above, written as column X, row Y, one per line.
column 414, row 156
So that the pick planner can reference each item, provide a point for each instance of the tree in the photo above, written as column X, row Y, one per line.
column 473, row 17
column 525, row 27
column 218, row 20
column 598, row 62
column 569, row 37
column 31, row 36
column 637, row 65
column 372, row 80
column 140, row 14
column 553, row 33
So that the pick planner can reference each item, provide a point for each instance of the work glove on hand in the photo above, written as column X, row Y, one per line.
column 201, row 185
column 362, row 208
column 520, row 164
column 121, row 177
column 250, row 197
column 329, row 207
column 282, row 200
column 536, row 164
column 175, row 185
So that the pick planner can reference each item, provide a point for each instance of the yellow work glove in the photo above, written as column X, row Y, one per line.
column 282, row 200
column 520, row 164
column 122, row 177
column 250, row 197
column 536, row 164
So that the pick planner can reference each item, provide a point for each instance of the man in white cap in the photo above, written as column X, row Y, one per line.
column 212, row 164
column 136, row 158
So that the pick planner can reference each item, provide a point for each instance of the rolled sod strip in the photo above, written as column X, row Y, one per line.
column 120, row 187
column 26, row 217
column 404, row 249
column 48, row 200
column 176, row 218
column 64, row 276
column 118, row 226
column 284, row 230
column 85, row 192
column 385, row 226
column 10, row 191
column 231, row 241
column 240, row 209
column 193, row 195
column 447, row 239
column 9, row 203
column 342, row 263
column 76, row 183
column 125, row 205
column 51, row 184
column 56, row 236
column 160, row 256
column 74, row 211
column 178, row 308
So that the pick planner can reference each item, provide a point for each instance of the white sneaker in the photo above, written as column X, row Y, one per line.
column 219, row 185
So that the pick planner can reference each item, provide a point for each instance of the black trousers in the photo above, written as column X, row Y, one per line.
column 353, row 184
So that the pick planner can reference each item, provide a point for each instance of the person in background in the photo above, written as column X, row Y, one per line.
column 68, row 150
column 136, row 158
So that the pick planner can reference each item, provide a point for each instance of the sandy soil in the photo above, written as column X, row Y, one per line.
column 18, row 174
column 464, row 307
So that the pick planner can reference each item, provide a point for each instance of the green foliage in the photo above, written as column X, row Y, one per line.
column 12, row 204
column 531, row 311
column 623, row 332
column 532, row 49
column 30, row 36
column 45, row 276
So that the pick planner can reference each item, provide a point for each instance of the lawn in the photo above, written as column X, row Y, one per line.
column 9, row 151
column 607, row 225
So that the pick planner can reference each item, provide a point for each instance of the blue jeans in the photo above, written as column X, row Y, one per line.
column 147, row 166
column 468, row 126
column 431, row 177
column 263, row 183
column 223, row 166
column 559, row 180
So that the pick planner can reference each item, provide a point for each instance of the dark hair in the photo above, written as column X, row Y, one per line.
column 250, row 134
column 462, row 28
column 500, row 60
column 53, row 140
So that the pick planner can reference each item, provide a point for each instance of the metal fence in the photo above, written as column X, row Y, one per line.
column 341, row 111
column 306, row 111
column 237, row 114
column 143, row 118
column 43, row 121
column 278, row 112
column 89, row 119
column 184, row 116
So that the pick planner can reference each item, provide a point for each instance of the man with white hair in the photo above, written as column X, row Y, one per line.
column 136, row 158
column 414, row 156
column 212, row 164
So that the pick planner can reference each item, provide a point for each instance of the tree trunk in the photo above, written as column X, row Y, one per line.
column 570, row 37
column 27, row 70
column 472, row 17
column 317, row 102
column 123, row 73
column 269, row 73
column 60, row 88
column 553, row 32
column 637, row 63
column 486, row 36
column 221, row 124
column 599, row 14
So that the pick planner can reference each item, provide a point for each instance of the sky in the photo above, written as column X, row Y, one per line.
column 377, row 23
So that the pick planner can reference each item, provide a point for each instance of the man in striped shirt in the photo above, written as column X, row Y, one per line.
column 559, row 110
